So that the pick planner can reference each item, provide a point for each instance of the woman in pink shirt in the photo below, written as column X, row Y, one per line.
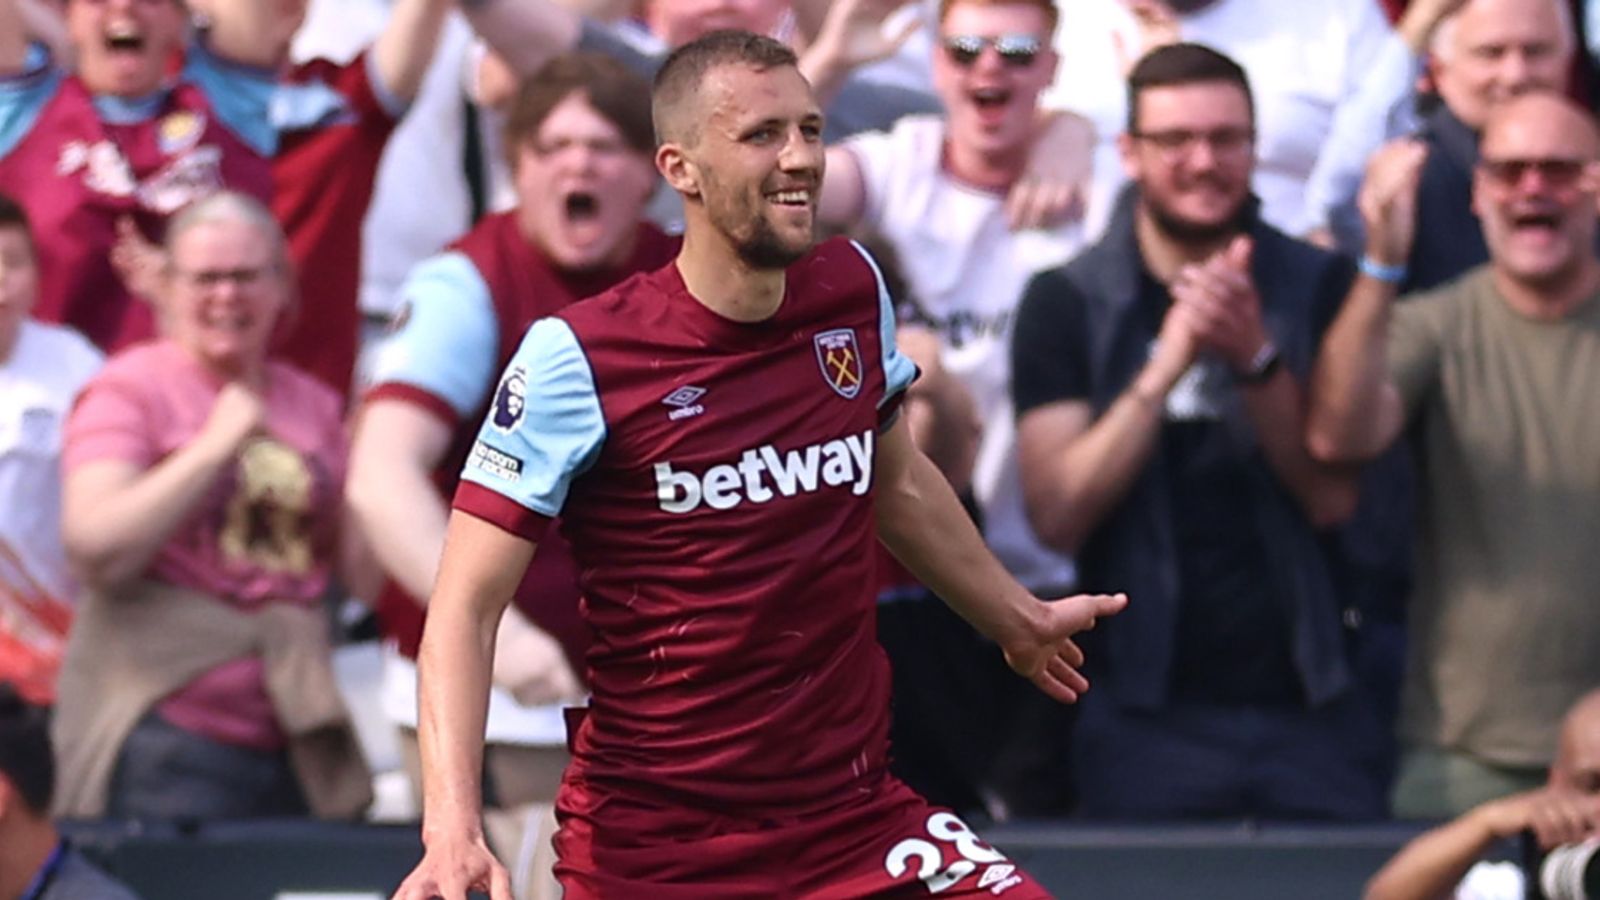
column 196, row 467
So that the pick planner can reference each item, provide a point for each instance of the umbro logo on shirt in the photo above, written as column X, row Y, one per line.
column 763, row 473
column 683, row 400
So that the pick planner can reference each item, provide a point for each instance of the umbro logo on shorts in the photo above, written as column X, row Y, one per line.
column 763, row 473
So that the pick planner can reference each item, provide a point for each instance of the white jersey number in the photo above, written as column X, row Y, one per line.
column 951, row 830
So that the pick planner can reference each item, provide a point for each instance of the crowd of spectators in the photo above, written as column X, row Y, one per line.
column 1274, row 315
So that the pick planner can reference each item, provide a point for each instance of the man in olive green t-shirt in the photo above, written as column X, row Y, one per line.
column 1497, row 375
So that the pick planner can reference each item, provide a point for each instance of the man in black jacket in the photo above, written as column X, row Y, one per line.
column 1158, row 386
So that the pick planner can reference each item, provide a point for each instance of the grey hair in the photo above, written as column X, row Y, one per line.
column 1442, row 46
column 230, row 206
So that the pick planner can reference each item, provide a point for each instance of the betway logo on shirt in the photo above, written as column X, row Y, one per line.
column 764, row 473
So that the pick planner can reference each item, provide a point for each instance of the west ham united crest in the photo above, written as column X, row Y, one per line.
column 840, row 359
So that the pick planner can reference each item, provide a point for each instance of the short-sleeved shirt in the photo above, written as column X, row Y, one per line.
column 80, row 162
column 715, row 479
column 1507, row 421
column 965, row 269
column 265, row 530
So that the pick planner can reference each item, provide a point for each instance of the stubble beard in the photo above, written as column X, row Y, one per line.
column 1187, row 231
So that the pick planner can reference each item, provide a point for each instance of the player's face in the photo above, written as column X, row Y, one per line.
column 581, row 190
column 759, row 162
column 989, row 68
column 677, row 22
column 19, row 284
column 1192, row 157
column 225, row 296
column 124, row 46
column 1531, row 192
column 1499, row 49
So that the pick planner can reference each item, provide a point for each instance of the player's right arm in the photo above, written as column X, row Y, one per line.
column 1075, row 468
column 481, row 569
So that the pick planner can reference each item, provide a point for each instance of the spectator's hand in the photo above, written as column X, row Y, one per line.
column 139, row 263
column 1222, row 304
column 1388, row 200
column 1047, row 656
column 451, row 868
column 1055, row 186
column 238, row 412
column 530, row 664
column 1176, row 347
column 1157, row 26
column 852, row 33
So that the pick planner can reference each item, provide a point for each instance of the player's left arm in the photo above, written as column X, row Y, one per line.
column 925, row 527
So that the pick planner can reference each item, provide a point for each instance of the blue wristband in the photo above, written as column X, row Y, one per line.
column 1377, row 270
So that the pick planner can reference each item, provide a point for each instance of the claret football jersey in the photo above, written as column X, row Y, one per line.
column 715, row 480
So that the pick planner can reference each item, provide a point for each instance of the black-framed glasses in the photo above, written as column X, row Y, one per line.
column 1016, row 50
column 1177, row 141
column 1557, row 172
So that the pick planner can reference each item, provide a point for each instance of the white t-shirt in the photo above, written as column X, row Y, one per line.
column 1307, row 64
column 965, row 270
column 47, row 368
column 1492, row 881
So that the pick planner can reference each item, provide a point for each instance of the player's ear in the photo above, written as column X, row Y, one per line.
column 680, row 172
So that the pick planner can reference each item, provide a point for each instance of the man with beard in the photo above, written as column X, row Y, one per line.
column 1158, row 386
column 720, row 439
column 1491, row 375
column 1328, row 76
column 578, row 140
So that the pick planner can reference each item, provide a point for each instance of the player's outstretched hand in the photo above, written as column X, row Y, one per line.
column 449, row 869
column 1048, row 657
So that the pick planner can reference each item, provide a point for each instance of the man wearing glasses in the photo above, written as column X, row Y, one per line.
column 933, row 190
column 1158, row 383
column 1493, row 376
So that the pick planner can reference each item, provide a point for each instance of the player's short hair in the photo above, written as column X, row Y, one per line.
column 25, row 758
column 680, row 78
column 230, row 206
column 611, row 88
column 1052, row 14
column 12, row 215
column 1176, row 65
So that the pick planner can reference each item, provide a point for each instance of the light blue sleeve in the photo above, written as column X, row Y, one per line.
column 24, row 95
column 448, row 335
column 1380, row 84
column 898, row 371
column 545, row 427
column 240, row 95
